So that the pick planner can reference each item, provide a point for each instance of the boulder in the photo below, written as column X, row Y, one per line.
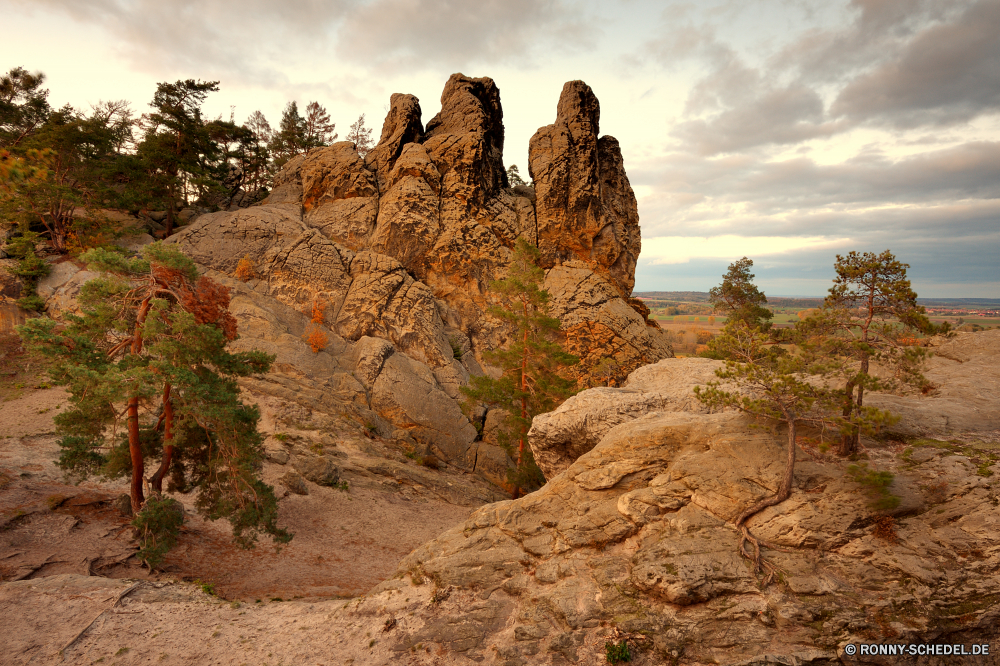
column 321, row 470
column 559, row 437
column 637, row 534
column 584, row 204
column 294, row 482
column 408, row 395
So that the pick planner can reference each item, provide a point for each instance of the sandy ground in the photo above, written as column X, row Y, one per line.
column 345, row 542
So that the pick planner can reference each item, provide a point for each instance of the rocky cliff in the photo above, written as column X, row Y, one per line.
column 633, row 541
column 390, row 259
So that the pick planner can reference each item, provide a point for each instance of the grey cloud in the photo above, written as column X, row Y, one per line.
column 209, row 38
column 970, row 170
column 901, row 63
column 243, row 40
column 777, row 116
column 411, row 33
column 947, row 73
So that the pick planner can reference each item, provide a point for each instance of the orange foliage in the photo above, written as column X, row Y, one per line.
column 244, row 269
column 317, row 339
column 317, row 310
column 208, row 300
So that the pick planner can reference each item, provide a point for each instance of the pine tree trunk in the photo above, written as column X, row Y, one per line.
column 156, row 481
column 847, row 442
column 134, row 448
column 524, row 400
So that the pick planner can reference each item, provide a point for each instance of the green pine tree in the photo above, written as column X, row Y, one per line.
column 152, row 336
column 531, row 383
column 870, row 312
column 795, row 389
column 177, row 156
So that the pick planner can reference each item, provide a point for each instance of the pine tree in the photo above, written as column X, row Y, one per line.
column 531, row 383
column 24, row 105
column 177, row 153
column 866, row 318
column 78, row 153
column 319, row 130
column 514, row 176
column 290, row 139
column 739, row 298
column 152, row 332
column 257, row 170
column 794, row 389
column 361, row 136
column 741, row 301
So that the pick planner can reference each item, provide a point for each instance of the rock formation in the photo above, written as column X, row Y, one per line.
column 397, row 252
column 962, row 370
column 632, row 540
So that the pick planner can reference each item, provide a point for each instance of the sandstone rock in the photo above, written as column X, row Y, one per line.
column 321, row 470
column 276, row 454
column 11, row 315
column 492, row 462
column 584, row 204
column 637, row 532
column 339, row 195
column 966, row 397
column 559, row 437
column 294, row 482
column 404, row 245
column 401, row 127
column 135, row 242
column 409, row 220
column 600, row 326
column 407, row 393
column 59, row 274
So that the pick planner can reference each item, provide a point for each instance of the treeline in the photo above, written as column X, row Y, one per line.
column 60, row 167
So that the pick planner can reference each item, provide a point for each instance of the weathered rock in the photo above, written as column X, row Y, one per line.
column 406, row 392
column 492, row 462
column 637, row 532
column 601, row 327
column 401, row 127
column 967, row 393
column 339, row 195
column 559, row 437
column 409, row 217
column 584, row 203
column 294, row 482
column 319, row 469
column 404, row 245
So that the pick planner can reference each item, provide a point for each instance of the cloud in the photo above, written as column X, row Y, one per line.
column 787, row 115
column 896, row 63
column 682, row 249
column 799, row 196
column 256, row 41
column 947, row 73
column 218, row 36
column 411, row 33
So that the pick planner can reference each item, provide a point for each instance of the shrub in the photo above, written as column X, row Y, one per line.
column 317, row 340
column 158, row 524
column 876, row 484
column 244, row 269
column 317, row 311
column 617, row 653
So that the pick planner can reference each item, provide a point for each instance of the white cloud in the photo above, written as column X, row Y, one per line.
column 682, row 249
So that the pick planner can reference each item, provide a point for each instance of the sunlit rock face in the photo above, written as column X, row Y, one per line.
column 403, row 244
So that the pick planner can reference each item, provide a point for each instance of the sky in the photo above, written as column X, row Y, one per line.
column 787, row 131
